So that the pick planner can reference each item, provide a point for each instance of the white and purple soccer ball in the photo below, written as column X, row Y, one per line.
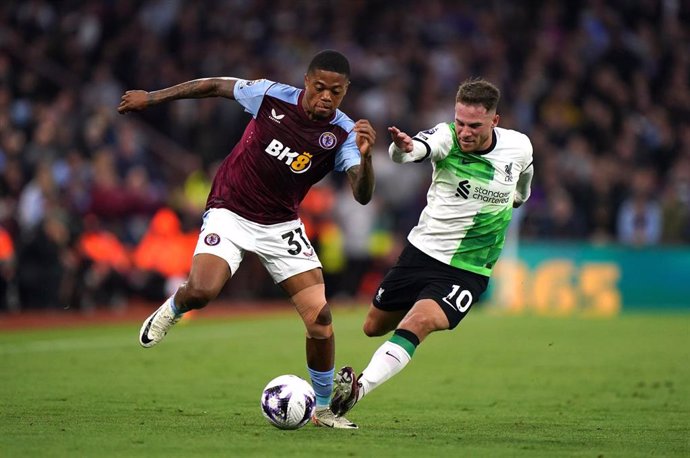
column 288, row 402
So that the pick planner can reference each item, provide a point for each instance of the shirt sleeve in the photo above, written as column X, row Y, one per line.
column 348, row 155
column 250, row 93
column 524, row 184
column 529, row 152
column 523, row 188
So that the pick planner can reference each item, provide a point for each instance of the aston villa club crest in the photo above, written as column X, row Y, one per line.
column 327, row 140
column 212, row 239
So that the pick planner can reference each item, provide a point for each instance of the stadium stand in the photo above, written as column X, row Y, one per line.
column 601, row 87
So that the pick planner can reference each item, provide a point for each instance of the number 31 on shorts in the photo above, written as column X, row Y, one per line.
column 293, row 240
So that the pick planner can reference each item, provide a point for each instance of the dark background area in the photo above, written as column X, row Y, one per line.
column 97, row 208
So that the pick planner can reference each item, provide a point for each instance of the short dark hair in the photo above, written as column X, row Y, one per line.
column 331, row 61
column 478, row 91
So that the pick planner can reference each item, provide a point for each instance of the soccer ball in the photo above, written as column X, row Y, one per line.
column 288, row 402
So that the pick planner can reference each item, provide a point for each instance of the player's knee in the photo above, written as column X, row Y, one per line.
column 321, row 326
column 324, row 318
column 423, row 323
column 374, row 329
column 195, row 295
column 317, row 331
column 311, row 304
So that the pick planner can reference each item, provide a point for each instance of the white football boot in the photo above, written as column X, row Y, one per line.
column 324, row 417
column 157, row 325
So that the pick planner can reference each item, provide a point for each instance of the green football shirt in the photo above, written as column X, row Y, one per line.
column 470, row 200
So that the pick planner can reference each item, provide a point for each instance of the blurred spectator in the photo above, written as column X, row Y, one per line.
column 102, row 90
column 357, row 223
column 125, row 202
column 104, row 266
column 163, row 257
column 43, row 146
column 317, row 208
column 563, row 221
column 37, row 197
column 9, row 299
column 317, row 214
column 639, row 218
column 189, row 199
column 46, row 265
column 675, row 205
column 12, row 182
column 601, row 197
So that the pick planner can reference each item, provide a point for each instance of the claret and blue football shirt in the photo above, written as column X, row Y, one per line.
column 281, row 154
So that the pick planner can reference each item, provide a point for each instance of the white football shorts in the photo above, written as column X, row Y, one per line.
column 283, row 248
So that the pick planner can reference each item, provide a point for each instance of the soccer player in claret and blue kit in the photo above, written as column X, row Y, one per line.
column 295, row 137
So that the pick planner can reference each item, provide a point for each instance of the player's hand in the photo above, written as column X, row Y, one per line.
column 134, row 101
column 401, row 139
column 366, row 136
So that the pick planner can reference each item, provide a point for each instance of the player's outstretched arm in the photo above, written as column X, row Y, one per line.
column 138, row 100
column 401, row 140
column 403, row 149
column 361, row 176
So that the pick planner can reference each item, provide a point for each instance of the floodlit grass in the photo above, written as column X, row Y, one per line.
column 496, row 386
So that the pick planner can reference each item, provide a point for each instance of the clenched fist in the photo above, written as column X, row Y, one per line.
column 366, row 136
column 134, row 101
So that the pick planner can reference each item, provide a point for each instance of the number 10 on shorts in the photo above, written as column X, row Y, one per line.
column 459, row 299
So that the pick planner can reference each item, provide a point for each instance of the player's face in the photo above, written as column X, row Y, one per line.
column 323, row 93
column 473, row 126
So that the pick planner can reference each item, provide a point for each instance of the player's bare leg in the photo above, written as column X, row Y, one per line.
column 380, row 322
column 208, row 275
column 307, row 293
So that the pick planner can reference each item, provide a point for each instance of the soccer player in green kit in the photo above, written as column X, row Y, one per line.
column 480, row 173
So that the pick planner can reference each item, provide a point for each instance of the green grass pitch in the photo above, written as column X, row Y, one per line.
column 496, row 386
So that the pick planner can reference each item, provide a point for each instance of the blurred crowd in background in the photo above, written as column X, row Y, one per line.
column 98, row 208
